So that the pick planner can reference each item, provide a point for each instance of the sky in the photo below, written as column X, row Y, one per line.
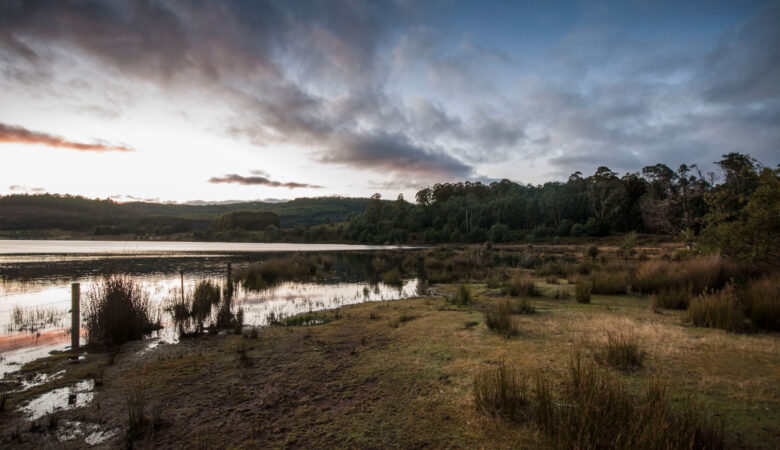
column 238, row 100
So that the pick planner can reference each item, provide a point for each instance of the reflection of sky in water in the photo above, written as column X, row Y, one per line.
column 289, row 299
column 162, row 282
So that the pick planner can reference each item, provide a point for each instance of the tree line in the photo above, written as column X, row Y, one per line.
column 657, row 200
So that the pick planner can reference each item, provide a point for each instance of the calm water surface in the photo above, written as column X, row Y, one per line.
column 35, row 278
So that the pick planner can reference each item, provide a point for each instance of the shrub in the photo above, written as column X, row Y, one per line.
column 499, row 319
column 609, row 283
column 582, row 291
column 596, row 411
column 393, row 278
column 501, row 392
column 719, row 309
column 117, row 310
column 620, row 352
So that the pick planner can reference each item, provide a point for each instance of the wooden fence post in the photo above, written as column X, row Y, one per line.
column 75, row 316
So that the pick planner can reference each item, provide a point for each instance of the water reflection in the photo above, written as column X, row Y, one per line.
column 35, row 292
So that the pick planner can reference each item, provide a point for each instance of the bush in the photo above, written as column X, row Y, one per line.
column 609, row 283
column 582, row 291
column 595, row 411
column 620, row 352
column 116, row 311
column 501, row 392
column 499, row 319
column 720, row 309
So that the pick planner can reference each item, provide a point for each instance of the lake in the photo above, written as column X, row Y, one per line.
column 36, row 277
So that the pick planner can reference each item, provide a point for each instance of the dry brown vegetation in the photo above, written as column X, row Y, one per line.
column 409, row 373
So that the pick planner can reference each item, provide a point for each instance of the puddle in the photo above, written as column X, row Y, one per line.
column 70, row 397
column 39, row 379
column 69, row 430
column 100, row 437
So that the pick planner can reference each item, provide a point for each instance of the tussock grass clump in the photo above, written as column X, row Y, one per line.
column 675, row 298
column 492, row 282
column 609, row 283
column 499, row 319
column 521, row 286
column 502, row 392
column 621, row 352
column 697, row 274
column 206, row 295
column 138, row 423
column 462, row 295
column 719, row 309
column 582, row 291
column 117, row 310
column 762, row 303
column 393, row 278
column 595, row 411
column 520, row 306
column 243, row 356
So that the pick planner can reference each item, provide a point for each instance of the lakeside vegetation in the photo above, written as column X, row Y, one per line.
column 499, row 350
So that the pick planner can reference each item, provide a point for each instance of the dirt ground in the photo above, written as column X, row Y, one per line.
column 393, row 375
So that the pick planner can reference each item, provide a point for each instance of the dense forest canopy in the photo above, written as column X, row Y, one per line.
column 659, row 200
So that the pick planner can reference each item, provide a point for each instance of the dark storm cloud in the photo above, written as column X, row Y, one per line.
column 19, row 135
column 259, row 181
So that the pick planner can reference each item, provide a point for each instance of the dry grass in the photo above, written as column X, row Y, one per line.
column 359, row 383
column 721, row 309
column 501, row 391
column 698, row 275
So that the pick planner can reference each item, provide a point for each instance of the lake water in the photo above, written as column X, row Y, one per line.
column 36, row 277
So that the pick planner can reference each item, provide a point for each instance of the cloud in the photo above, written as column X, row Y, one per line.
column 20, row 188
column 259, row 181
column 378, row 87
column 393, row 152
column 20, row 135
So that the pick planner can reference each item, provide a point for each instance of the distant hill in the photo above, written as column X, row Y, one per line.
column 75, row 213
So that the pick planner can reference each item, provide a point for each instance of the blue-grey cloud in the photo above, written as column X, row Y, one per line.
column 380, row 86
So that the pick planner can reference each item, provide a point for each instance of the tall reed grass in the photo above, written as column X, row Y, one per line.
column 118, row 310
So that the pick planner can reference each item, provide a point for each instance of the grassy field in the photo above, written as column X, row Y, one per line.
column 400, row 374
